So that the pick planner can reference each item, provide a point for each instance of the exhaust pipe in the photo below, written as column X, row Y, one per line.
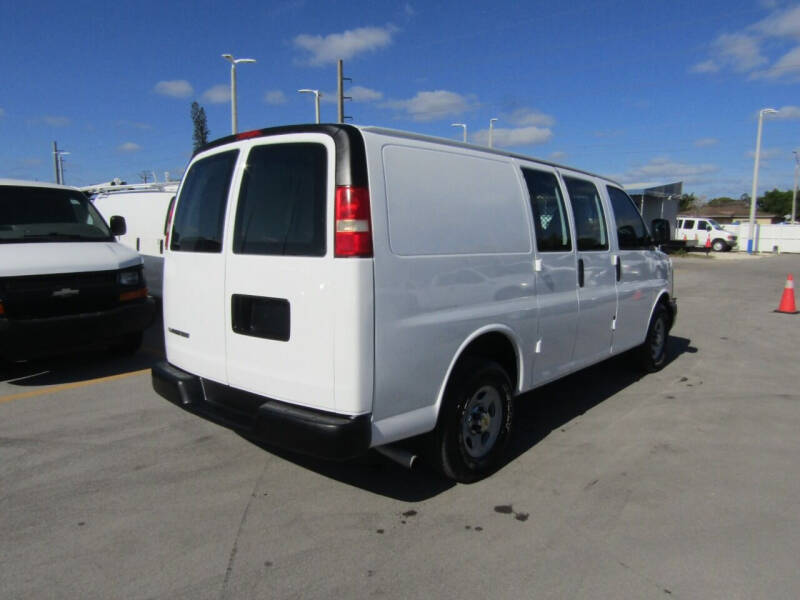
column 401, row 456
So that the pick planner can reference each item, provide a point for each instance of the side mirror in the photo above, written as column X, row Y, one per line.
column 660, row 229
column 708, row 227
column 118, row 226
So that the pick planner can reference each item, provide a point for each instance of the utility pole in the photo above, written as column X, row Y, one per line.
column 61, row 154
column 794, row 195
column 340, row 78
column 55, row 162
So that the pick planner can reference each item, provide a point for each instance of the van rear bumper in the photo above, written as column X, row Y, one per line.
column 304, row 430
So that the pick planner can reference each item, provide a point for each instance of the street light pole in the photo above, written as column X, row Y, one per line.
column 491, row 132
column 750, row 238
column 463, row 126
column 317, row 95
column 234, row 62
column 794, row 194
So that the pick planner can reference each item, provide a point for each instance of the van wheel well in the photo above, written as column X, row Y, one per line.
column 664, row 301
column 496, row 347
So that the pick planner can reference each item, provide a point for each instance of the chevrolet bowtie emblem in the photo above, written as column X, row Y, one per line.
column 65, row 293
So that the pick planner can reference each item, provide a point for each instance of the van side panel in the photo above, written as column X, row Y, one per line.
column 453, row 254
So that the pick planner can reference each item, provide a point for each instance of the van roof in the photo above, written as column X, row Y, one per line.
column 333, row 128
column 40, row 184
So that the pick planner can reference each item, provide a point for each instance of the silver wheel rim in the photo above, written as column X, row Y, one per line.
column 483, row 419
column 659, row 337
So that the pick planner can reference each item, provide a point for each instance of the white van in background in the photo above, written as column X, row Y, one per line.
column 64, row 281
column 145, row 212
column 697, row 230
column 332, row 288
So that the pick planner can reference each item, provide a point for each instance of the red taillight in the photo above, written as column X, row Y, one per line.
column 353, row 233
column 2, row 310
column 246, row 135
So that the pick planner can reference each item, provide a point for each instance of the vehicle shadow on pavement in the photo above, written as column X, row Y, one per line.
column 537, row 414
column 373, row 473
column 86, row 364
column 550, row 407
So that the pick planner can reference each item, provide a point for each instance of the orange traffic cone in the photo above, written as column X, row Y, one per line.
column 787, row 304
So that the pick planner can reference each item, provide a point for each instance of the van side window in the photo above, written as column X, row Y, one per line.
column 680, row 224
column 549, row 214
column 631, row 231
column 688, row 224
column 201, row 206
column 590, row 223
column 702, row 225
column 282, row 202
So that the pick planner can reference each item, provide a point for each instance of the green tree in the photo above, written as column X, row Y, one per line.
column 687, row 202
column 200, row 126
column 722, row 201
column 776, row 202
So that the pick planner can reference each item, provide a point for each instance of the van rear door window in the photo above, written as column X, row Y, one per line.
column 200, row 215
column 282, row 201
column 590, row 224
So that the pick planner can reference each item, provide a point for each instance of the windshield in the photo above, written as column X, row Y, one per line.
column 714, row 224
column 40, row 214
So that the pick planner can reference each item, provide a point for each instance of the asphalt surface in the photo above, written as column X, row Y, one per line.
column 680, row 484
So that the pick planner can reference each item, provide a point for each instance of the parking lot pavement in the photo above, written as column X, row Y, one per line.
column 678, row 484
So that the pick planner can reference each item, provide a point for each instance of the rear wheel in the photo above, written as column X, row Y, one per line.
column 653, row 352
column 475, row 422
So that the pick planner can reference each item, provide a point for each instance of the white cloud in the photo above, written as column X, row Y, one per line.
column 706, row 142
column 129, row 147
column 2, row 113
column 55, row 121
column 275, row 97
column 363, row 94
column 663, row 169
column 525, row 117
column 768, row 153
column 345, row 45
column 786, row 113
column 177, row 88
column 707, row 66
column 787, row 65
column 508, row 138
column 739, row 51
column 432, row 105
column 557, row 155
column 219, row 94
column 785, row 23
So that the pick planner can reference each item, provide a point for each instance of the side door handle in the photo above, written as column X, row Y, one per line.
column 580, row 272
column 619, row 268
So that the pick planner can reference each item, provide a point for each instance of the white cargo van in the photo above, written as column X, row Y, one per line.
column 64, row 281
column 696, row 231
column 145, row 213
column 332, row 288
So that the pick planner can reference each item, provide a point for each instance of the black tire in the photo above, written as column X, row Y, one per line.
column 653, row 352
column 475, row 422
column 127, row 345
column 719, row 245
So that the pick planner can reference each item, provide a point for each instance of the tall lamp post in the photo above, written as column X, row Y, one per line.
column 317, row 95
column 750, row 238
column 794, row 194
column 463, row 126
column 491, row 132
column 234, row 62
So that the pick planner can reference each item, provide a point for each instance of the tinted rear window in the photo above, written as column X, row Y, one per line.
column 200, row 215
column 282, row 202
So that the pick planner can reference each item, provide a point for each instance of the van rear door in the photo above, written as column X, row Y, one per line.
column 194, row 273
column 281, row 275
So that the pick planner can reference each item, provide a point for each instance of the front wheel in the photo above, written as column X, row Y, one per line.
column 475, row 422
column 653, row 352
column 719, row 246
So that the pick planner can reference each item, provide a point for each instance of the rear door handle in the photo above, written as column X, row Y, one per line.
column 619, row 268
column 580, row 272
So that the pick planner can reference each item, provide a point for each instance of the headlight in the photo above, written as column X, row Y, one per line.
column 130, row 278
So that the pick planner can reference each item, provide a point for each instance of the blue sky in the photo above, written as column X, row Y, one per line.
column 654, row 91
